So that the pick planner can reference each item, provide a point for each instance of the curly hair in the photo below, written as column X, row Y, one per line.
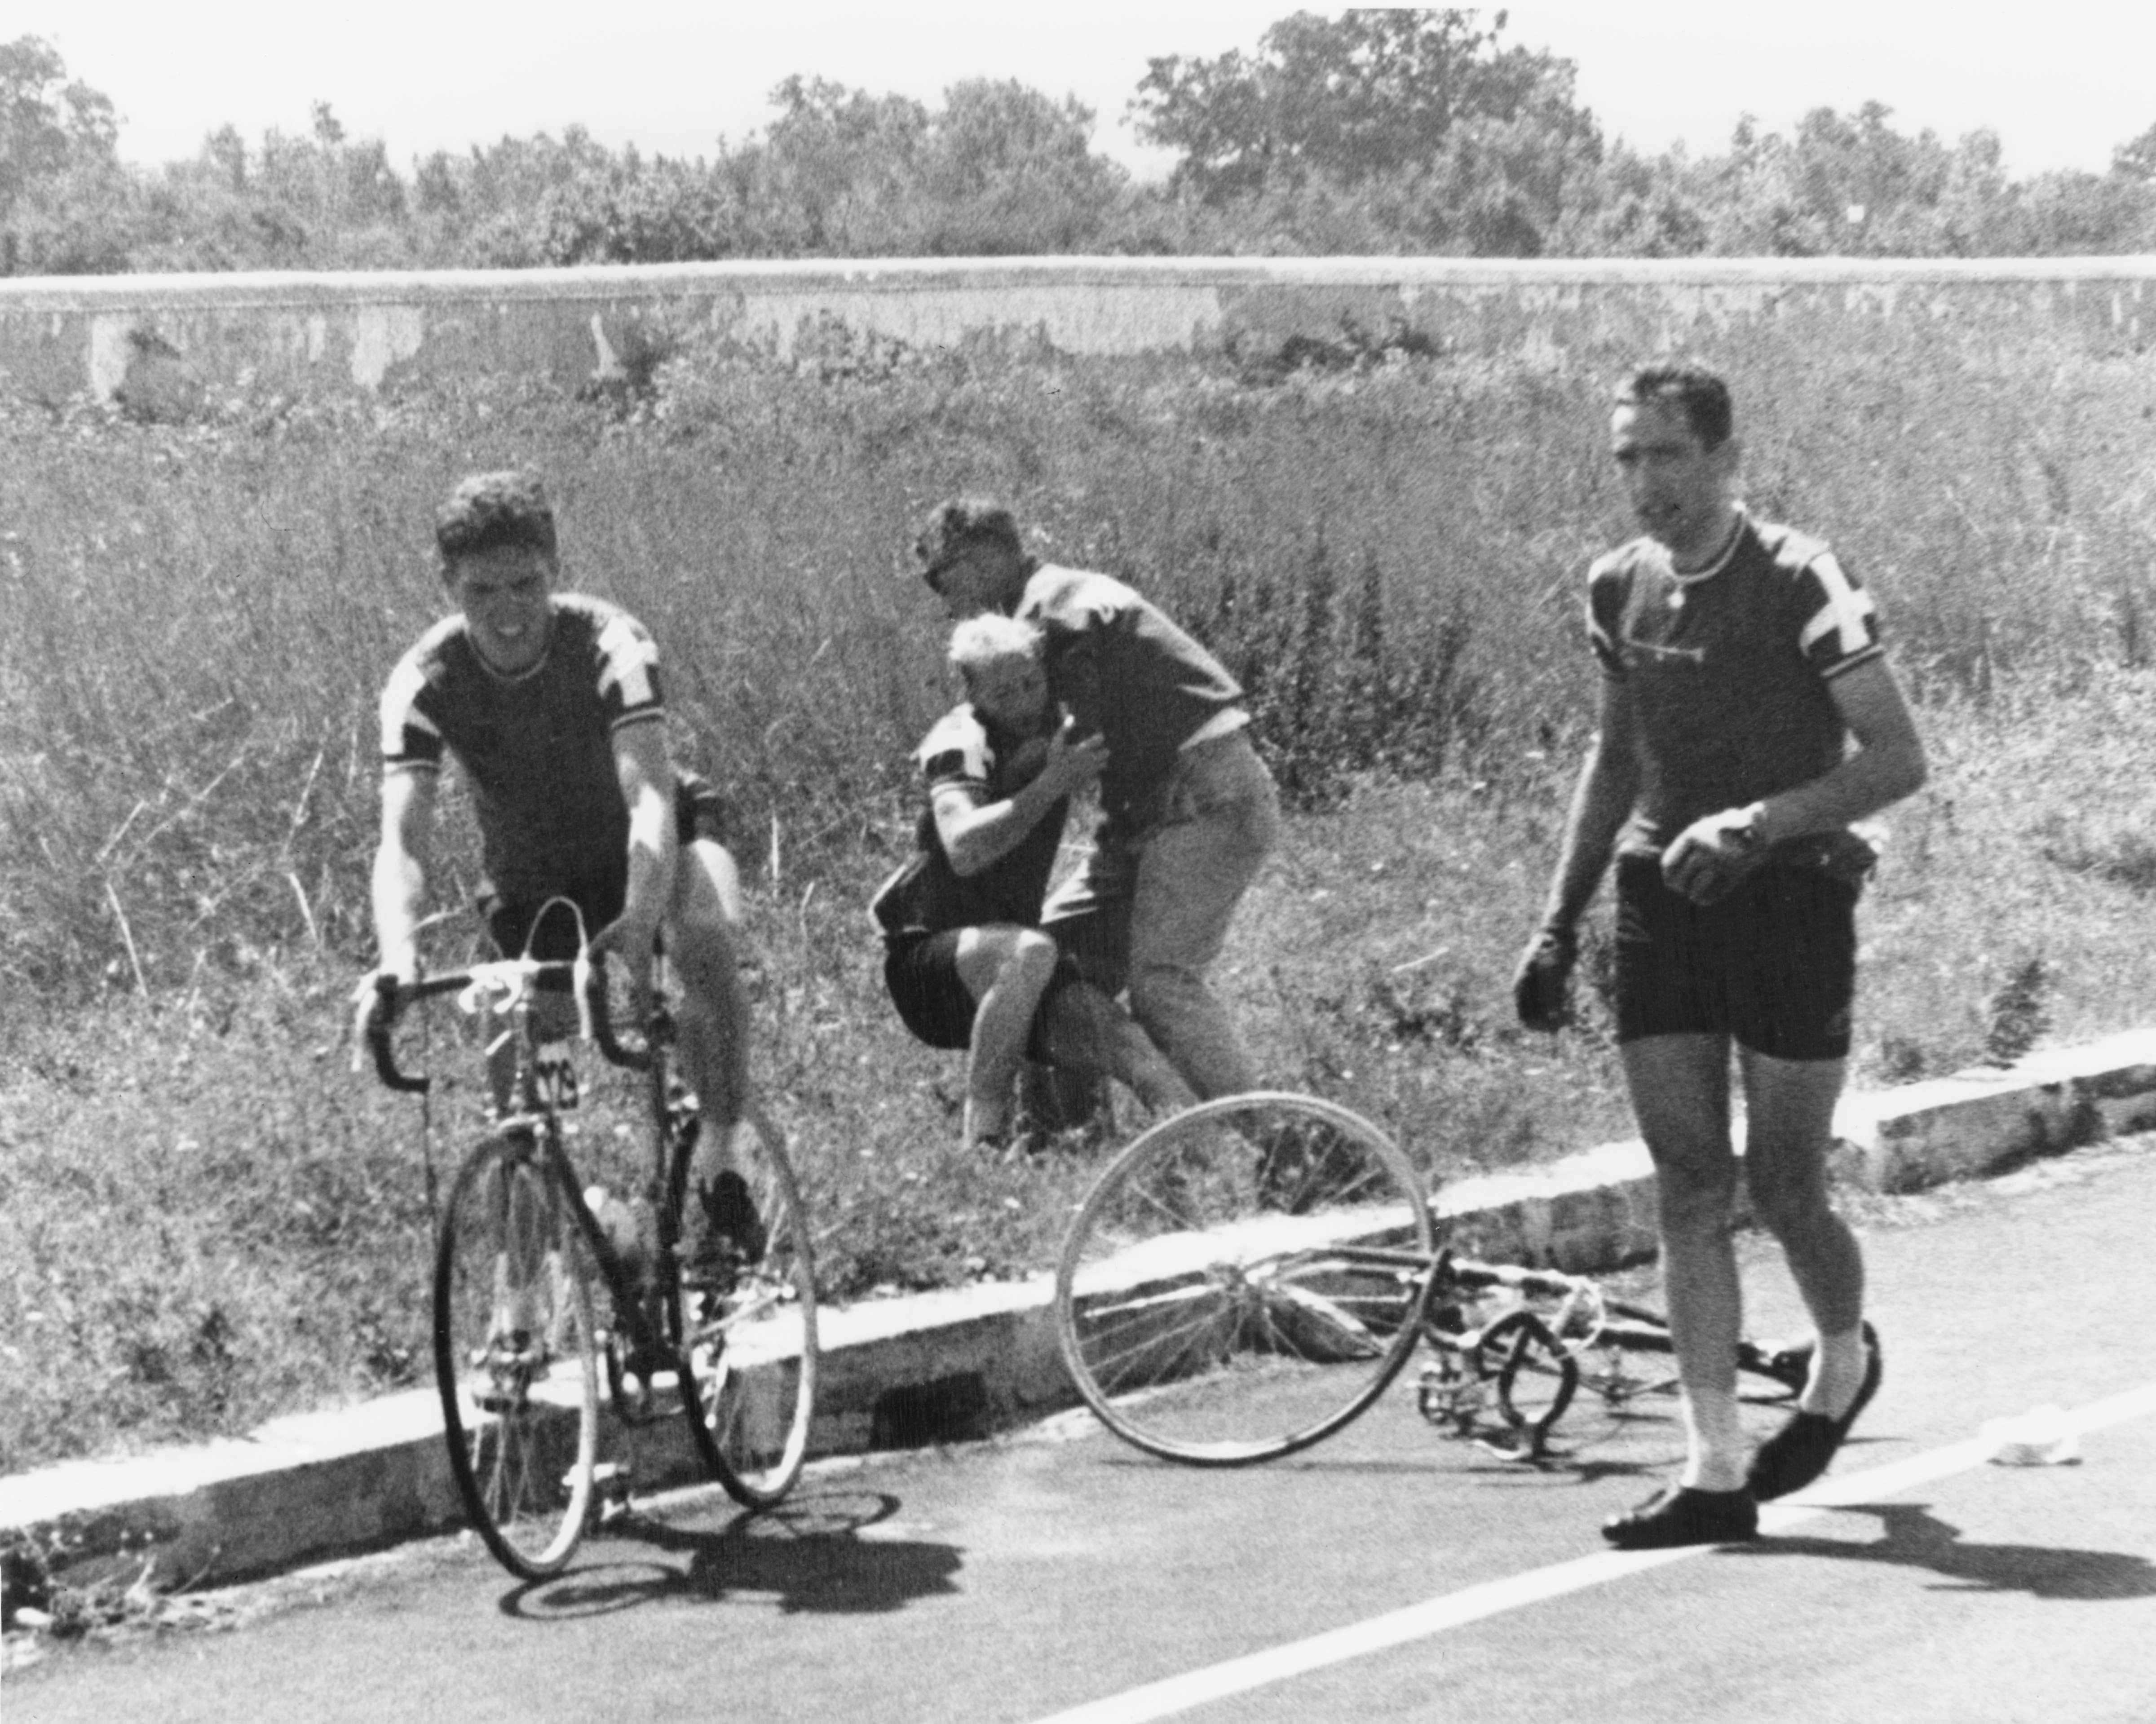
column 489, row 511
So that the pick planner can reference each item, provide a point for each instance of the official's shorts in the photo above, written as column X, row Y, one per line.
column 1773, row 965
column 699, row 812
column 921, row 971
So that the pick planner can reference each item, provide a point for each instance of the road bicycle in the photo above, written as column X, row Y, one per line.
column 1252, row 1273
column 521, row 1345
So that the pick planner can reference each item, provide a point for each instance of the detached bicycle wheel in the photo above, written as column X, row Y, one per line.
column 748, row 1334
column 1245, row 1279
column 514, row 1358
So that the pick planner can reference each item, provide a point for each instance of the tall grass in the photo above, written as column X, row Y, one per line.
column 1387, row 545
column 1389, row 553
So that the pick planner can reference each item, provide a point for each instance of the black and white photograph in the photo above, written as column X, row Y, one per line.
column 947, row 865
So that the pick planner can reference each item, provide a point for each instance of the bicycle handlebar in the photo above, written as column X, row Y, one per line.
column 507, row 979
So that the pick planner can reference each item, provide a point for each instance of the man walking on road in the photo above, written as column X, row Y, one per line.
column 1191, row 812
column 1739, row 661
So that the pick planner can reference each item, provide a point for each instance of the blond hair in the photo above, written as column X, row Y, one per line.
column 991, row 637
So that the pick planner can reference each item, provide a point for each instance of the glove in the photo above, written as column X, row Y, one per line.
column 1710, row 857
column 1540, row 985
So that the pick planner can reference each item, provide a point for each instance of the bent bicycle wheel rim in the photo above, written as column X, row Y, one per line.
column 520, row 1419
column 1245, row 1279
column 749, row 1351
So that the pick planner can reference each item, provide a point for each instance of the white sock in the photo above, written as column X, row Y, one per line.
column 1838, row 1368
column 1716, row 1456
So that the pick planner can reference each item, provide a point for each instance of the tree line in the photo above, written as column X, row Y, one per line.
column 1380, row 132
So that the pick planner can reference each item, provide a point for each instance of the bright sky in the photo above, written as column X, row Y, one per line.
column 2063, row 82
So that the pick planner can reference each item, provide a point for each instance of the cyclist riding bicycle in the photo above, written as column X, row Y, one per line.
column 550, row 702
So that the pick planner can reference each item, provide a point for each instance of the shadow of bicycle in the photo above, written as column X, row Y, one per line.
column 808, row 1555
column 1913, row 1538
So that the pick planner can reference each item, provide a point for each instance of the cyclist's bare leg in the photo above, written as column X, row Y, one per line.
column 703, row 937
column 500, row 1060
column 1006, row 969
column 1790, row 1107
column 1084, row 1030
column 519, row 1200
column 1679, row 1090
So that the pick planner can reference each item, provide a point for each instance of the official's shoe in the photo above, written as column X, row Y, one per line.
column 1800, row 1451
column 1682, row 1515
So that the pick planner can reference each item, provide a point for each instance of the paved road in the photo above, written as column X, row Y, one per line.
column 1388, row 1573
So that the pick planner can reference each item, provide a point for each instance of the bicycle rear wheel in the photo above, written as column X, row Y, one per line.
column 515, row 1357
column 1245, row 1279
column 748, row 1342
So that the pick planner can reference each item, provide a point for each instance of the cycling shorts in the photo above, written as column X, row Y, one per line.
column 698, row 813
column 921, row 971
column 1773, row 965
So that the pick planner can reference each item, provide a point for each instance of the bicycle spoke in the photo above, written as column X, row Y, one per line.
column 515, row 1361
column 1232, row 1287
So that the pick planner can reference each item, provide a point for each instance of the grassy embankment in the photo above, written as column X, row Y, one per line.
column 205, row 1218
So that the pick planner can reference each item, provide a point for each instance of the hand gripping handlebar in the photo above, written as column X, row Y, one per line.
column 500, row 984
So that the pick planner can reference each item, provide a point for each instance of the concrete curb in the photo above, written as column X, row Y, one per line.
column 945, row 1366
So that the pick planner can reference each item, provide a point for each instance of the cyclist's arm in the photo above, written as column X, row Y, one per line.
column 646, row 773
column 978, row 833
column 1888, row 764
column 401, row 862
column 1601, row 803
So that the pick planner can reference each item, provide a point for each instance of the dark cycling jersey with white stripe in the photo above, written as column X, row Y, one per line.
column 1728, row 671
column 537, row 746
column 927, row 894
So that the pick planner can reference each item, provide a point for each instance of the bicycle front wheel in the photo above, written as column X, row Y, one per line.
column 515, row 1357
column 1245, row 1279
column 747, row 1338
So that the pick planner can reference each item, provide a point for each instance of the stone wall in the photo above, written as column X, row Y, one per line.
column 165, row 339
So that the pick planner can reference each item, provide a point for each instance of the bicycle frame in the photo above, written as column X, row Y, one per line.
column 1547, row 1324
column 504, row 988
column 514, row 1284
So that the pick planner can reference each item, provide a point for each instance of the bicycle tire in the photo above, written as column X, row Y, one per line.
column 1245, row 1279
column 522, row 1420
column 749, row 1350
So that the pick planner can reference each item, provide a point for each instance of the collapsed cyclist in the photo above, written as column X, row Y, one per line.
column 550, row 702
column 967, row 963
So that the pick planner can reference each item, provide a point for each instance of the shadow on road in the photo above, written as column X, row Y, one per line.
column 807, row 1555
column 1913, row 1536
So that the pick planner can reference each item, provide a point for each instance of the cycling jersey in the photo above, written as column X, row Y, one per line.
column 927, row 894
column 537, row 746
column 1728, row 672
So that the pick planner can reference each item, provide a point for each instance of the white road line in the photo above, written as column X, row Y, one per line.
column 1434, row 1616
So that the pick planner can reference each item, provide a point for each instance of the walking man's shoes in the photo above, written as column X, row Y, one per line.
column 1682, row 1515
column 1799, row 1452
